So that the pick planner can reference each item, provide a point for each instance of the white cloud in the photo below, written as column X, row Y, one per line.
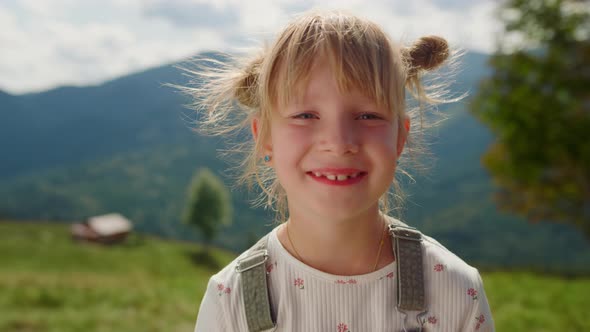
column 192, row 13
column 56, row 42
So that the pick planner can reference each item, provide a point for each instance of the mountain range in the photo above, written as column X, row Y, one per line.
column 126, row 145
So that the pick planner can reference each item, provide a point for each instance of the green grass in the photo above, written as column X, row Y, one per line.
column 524, row 301
column 49, row 283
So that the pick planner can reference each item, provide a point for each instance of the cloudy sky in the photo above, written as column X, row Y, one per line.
column 48, row 43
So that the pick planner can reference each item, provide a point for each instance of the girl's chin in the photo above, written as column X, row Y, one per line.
column 337, row 210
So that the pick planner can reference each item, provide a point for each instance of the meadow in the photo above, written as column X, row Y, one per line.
column 48, row 283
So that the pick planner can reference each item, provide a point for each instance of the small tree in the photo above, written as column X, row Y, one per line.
column 537, row 103
column 208, row 206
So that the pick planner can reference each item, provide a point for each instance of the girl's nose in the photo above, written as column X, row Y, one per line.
column 339, row 138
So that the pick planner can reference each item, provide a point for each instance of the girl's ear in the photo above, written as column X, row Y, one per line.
column 403, row 134
column 255, row 126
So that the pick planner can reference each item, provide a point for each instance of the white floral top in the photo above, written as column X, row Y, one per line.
column 305, row 299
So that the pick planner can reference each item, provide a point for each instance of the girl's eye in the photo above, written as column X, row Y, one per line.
column 368, row 116
column 304, row 116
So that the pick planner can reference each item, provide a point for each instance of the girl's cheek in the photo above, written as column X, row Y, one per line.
column 382, row 135
column 291, row 134
column 296, row 130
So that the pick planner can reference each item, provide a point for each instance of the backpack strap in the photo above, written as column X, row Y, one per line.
column 252, row 270
column 407, row 246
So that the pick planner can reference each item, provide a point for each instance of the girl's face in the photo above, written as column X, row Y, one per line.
column 334, row 153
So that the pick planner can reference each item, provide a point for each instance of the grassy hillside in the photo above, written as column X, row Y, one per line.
column 48, row 283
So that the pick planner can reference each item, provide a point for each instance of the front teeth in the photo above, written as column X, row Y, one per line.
column 334, row 177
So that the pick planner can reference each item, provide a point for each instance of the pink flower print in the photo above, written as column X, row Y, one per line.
column 389, row 275
column 480, row 321
column 344, row 282
column 269, row 268
column 473, row 293
column 343, row 328
column 299, row 283
column 222, row 289
column 439, row 267
column 432, row 320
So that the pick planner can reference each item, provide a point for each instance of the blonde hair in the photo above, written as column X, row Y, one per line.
column 229, row 94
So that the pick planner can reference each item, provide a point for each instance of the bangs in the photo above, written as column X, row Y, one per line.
column 359, row 53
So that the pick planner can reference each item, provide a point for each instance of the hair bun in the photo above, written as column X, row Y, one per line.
column 246, row 89
column 427, row 53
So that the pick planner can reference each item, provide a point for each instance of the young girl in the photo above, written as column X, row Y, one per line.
column 326, row 106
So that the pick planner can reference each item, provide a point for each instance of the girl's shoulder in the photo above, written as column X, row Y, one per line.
column 229, row 273
column 438, row 258
column 220, row 309
column 228, row 276
column 446, row 267
column 452, row 278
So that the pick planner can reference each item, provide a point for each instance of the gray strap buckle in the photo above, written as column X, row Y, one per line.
column 251, row 261
column 405, row 232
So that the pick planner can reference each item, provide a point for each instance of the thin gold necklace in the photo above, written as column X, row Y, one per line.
column 380, row 247
column 378, row 252
column 291, row 242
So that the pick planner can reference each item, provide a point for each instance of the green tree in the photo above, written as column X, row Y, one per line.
column 209, row 204
column 537, row 103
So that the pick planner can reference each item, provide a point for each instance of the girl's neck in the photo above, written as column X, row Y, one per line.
column 340, row 247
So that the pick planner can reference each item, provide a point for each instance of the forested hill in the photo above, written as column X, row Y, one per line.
column 126, row 146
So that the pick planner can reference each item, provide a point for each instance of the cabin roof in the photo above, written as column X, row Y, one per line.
column 109, row 224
